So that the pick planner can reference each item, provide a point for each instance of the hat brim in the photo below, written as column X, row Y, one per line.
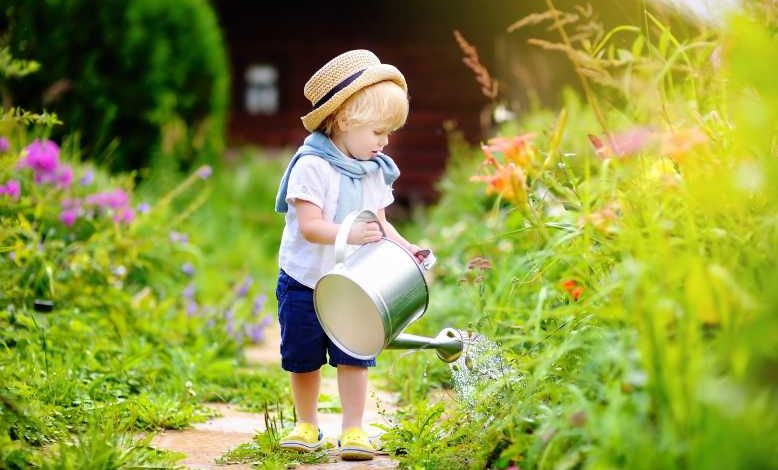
column 374, row 74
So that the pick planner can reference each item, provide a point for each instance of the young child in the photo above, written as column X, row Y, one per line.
column 357, row 103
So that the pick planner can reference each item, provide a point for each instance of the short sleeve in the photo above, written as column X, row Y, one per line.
column 388, row 196
column 306, row 182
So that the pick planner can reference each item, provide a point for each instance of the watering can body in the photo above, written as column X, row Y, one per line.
column 370, row 296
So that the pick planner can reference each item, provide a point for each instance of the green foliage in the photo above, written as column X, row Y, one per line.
column 628, row 290
column 150, row 76
column 241, row 198
column 10, row 67
column 122, row 343
column 420, row 434
column 101, row 447
column 264, row 452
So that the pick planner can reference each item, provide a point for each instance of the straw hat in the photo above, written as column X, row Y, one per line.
column 340, row 78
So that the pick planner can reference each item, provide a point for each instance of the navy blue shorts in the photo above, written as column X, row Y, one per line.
column 304, row 345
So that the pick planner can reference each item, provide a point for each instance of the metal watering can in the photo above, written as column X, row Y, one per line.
column 369, row 297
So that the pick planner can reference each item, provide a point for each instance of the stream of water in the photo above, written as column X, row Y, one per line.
column 480, row 366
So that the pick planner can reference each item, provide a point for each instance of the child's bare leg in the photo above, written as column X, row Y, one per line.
column 305, row 390
column 352, row 386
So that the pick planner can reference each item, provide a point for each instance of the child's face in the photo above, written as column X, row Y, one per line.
column 365, row 141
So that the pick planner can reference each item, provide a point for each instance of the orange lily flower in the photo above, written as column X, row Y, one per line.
column 517, row 150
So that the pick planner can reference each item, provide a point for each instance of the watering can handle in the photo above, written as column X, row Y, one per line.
column 341, row 240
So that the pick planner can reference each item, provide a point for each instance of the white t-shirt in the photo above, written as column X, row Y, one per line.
column 313, row 179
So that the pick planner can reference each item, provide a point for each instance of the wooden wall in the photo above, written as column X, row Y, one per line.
column 413, row 36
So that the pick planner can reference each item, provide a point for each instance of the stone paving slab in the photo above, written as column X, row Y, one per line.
column 207, row 441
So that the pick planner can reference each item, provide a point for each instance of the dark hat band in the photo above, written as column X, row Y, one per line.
column 343, row 84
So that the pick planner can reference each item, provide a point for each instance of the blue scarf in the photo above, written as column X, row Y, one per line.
column 351, row 172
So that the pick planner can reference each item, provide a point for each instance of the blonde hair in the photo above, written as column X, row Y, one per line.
column 383, row 103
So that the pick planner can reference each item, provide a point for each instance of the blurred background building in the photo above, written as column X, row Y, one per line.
column 274, row 48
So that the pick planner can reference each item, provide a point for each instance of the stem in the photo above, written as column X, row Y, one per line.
column 587, row 89
column 43, row 343
column 180, row 188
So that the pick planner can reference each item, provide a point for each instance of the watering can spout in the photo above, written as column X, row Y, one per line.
column 448, row 344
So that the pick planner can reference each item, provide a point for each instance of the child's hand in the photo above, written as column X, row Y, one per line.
column 413, row 249
column 418, row 253
column 364, row 232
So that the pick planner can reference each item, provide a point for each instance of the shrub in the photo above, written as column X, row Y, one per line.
column 140, row 80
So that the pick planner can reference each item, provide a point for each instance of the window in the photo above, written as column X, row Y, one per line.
column 261, row 89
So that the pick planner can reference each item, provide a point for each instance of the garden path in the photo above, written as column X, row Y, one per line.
column 205, row 442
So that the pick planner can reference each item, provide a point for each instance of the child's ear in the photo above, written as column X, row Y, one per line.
column 342, row 123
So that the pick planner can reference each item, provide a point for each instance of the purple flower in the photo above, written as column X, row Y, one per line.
column 4, row 144
column 143, row 208
column 266, row 321
column 120, row 271
column 204, row 172
column 88, row 178
column 12, row 256
column 41, row 156
column 187, row 269
column 258, row 305
column 177, row 237
column 229, row 315
column 255, row 332
column 244, row 287
column 68, row 216
column 189, row 291
column 209, row 323
column 12, row 188
column 45, row 178
column 191, row 308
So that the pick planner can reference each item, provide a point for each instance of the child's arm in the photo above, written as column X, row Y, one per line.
column 317, row 230
column 394, row 235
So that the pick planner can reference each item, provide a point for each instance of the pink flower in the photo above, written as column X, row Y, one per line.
column 12, row 188
column 41, row 156
column 98, row 199
column 4, row 144
column 68, row 216
column 64, row 176
column 115, row 199
column 125, row 215
column 625, row 143
column 631, row 141
column 71, row 204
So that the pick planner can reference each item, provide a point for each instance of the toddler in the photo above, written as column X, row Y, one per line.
column 357, row 103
